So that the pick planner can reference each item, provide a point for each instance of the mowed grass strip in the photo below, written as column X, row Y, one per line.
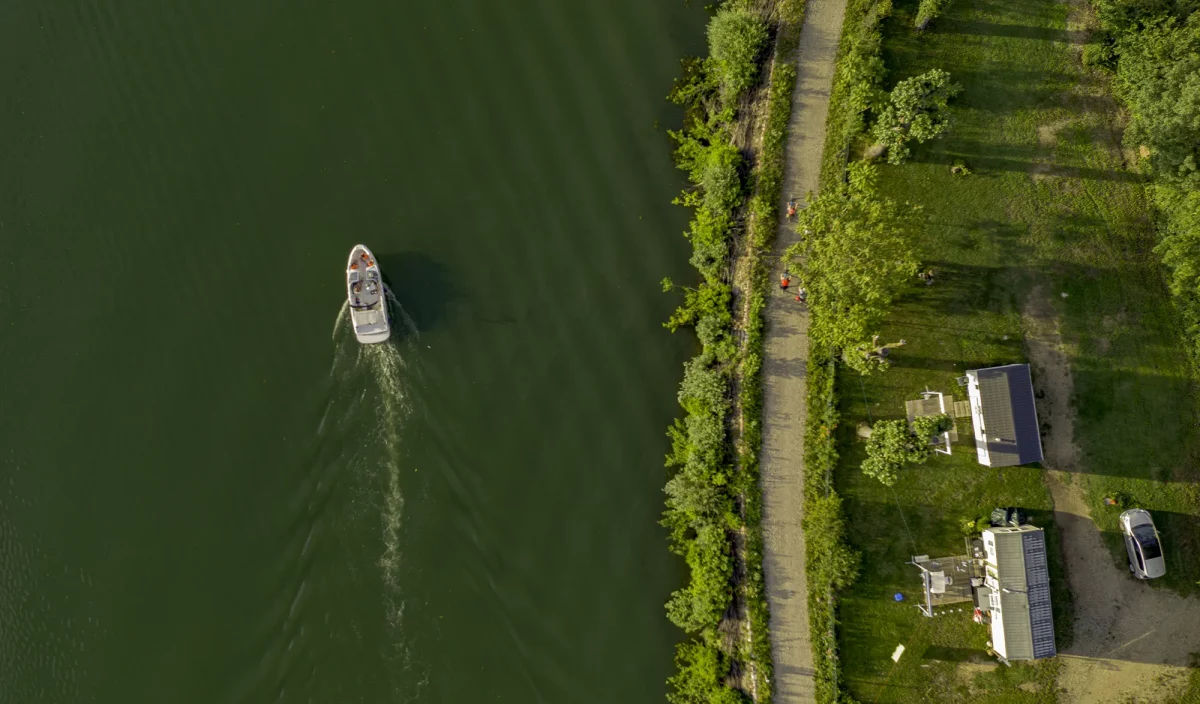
column 1049, row 207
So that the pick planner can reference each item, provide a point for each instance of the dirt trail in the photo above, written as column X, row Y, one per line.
column 1132, row 642
column 785, row 372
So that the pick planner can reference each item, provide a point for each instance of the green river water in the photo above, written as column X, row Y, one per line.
column 209, row 492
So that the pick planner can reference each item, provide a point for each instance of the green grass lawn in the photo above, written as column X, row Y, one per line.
column 1049, row 205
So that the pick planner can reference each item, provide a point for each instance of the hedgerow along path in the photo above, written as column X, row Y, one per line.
column 784, row 375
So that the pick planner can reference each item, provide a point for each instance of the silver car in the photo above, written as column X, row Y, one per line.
column 1142, row 544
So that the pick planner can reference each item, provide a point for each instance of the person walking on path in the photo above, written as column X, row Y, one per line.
column 784, row 281
column 784, row 372
column 791, row 209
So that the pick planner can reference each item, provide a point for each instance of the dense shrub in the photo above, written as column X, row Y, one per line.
column 928, row 10
column 1100, row 52
column 916, row 110
column 701, row 603
column 1179, row 246
column 1131, row 16
column 859, row 71
column 702, row 669
column 736, row 37
column 830, row 564
column 1159, row 79
column 825, row 527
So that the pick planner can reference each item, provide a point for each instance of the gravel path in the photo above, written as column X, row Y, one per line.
column 785, row 372
column 1132, row 642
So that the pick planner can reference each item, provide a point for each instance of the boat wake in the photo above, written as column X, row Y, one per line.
column 385, row 379
column 387, row 366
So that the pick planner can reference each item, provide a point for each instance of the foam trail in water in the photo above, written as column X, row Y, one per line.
column 387, row 367
column 337, row 323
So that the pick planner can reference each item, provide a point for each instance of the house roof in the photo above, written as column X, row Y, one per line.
column 1009, row 416
column 1026, row 616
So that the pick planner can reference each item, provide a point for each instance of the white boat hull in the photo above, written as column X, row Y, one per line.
column 367, row 297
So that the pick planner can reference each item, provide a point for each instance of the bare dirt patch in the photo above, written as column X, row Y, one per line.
column 1133, row 643
column 966, row 672
column 1048, row 134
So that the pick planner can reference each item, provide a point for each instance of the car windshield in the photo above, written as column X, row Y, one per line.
column 1148, row 540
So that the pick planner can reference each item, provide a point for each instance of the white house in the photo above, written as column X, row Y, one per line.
column 1017, row 591
column 1004, row 416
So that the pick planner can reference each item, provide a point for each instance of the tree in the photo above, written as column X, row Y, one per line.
column 928, row 10
column 916, row 110
column 875, row 355
column 892, row 446
column 854, row 256
column 1159, row 77
column 736, row 37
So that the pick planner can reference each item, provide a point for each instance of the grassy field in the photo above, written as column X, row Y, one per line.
column 1049, row 206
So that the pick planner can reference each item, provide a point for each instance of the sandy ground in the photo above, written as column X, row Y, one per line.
column 785, row 373
column 1132, row 643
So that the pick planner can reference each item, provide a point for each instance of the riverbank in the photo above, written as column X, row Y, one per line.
column 732, row 146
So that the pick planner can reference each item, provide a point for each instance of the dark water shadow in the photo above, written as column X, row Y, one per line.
column 421, row 285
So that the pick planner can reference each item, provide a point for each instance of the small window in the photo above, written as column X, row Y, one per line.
column 1138, row 552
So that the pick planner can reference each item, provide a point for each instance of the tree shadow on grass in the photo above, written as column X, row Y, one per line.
column 965, row 290
column 983, row 158
column 950, row 25
column 957, row 655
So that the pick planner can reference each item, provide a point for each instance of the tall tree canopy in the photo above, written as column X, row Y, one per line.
column 854, row 256
column 916, row 110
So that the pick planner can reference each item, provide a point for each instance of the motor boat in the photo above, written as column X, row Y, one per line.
column 366, row 295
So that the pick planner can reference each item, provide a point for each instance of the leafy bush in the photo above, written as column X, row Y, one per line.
column 702, row 669
column 712, row 164
column 892, row 447
column 928, row 10
column 703, row 388
column 736, row 37
column 916, row 110
column 701, row 603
